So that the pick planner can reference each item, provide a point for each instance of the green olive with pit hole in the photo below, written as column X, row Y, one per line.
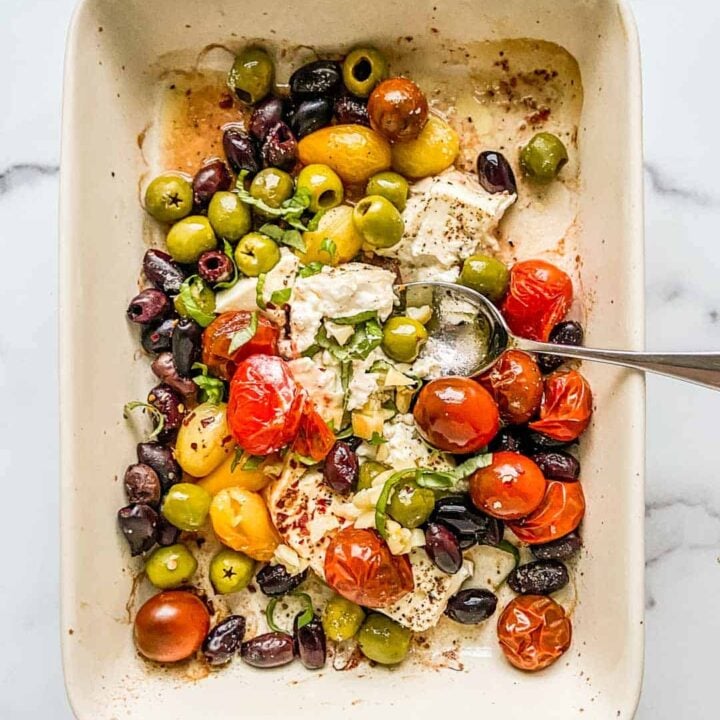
column 411, row 505
column 189, row 238
column 273, row 187
column 229, row 217
column 390, row 185
column 171, row 566
column 383, row 640
column 231, row 571
column 403, row 337
column 169, row 197
column 363, row 69
column 256, row 254
column 543, row 157
column 252, row 74
column 378, row 221
column 486, row 275
column 323, row 185
column 341, row 618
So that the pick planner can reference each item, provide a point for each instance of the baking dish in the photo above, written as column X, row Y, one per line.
column 116, row 54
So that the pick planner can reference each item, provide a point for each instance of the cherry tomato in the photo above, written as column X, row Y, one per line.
column 265, row 405
column 516, row 384
column 456, row 415
column 559, row 513
column 534, row 632
column 218, row 336
column 171, row 626
column 398, row 109
column 566, row 406
column 510, row 488
column 360, row 566
column 538, row 298
column 314, row 439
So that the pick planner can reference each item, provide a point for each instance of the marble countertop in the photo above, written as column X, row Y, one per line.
column 682, row 151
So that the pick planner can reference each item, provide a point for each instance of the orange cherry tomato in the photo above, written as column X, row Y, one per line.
column 314, row 439
column 171, row 626
column 517, row 386
column 265, row 405
column 534, row 632
column 510, row 488
column 559, row 513
column 456, row 415
column 398, row 109
column 360, row 566
column 566, row 406
column 218, row 336
column 539, row 295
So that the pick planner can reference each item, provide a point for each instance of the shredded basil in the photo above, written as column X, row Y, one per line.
column 472, row 464
column 293, row 239
column 382, row 503
column 380, row 366
column 356, row 319
column 280, row 297
column 228, row 250
column 345, row 434
column 305, row 460
column 212, row 389
column 245, row 335
column 275, row 232
column 314, row 223
column 245, row 460
column 304, row 619
column 376, row 439
column 329, row 247
column 190, row 292
column 158, row 418
column 312, row 268
column 435, row 480
column 260, row 291
column 291, row 210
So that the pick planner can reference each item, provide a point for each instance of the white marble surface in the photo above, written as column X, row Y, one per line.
column 681, row 55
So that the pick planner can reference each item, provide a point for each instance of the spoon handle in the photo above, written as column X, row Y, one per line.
column 699, row 368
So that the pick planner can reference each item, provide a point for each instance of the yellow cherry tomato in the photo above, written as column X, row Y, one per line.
column 224, row 477
column 204, row 439
column 433, row 151
column 338, row 227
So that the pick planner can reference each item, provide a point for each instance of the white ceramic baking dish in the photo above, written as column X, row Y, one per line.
column 115, row 52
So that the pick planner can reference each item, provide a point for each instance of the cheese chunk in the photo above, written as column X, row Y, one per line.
column 322, row 382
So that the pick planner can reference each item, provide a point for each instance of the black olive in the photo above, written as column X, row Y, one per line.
column 468, row 524
column 265, row 116
column 495, row 173
column 209, row 179
column 269, row 650
column 341, row 468
column 162, row 271
column 157, row 338
column 351, row 110
column 142, row 485
column 164, row 367
column 275, row 580
column 540, row 577
column 280, row 148
column 224, row 640
column 562, row 548
column 149, row 306
column 186, row 340
column 310, row 645
column 138, row 524
column 558, row 465
column 160, row 459
column 568, row 332
column 241, row 150
column 321, row 78
column 471, row 606
column 311, row 115
column 508, row 439
column 443, row 548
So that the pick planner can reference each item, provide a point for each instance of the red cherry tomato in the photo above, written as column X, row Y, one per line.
column 539, row 295
column 171, row 626
column 456, row 415
column 218, row 336
column 566, row 406
column 315, row 439
column 360, row 566
column 517, row 386
column 265, row 405
column 559, row 513
column 534, row 632
column 510, row 488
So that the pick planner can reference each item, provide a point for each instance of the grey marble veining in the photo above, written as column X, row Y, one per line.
column 680, row 58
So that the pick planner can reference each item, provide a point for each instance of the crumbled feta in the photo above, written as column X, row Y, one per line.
column 341, row 333
column 401, row 540
column 289, row 559
column 364, row 383
column 322, row 382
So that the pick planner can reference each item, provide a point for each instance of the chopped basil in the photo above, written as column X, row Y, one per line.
column 293, row 239
column 272, row 231
column 280, row 297
column 241, row 337
column 306, row 617
column 471, row 465
column 260, row 291
column 190, row 291
column 291, row 210
column 158, row 418
column 363, row 341
column 329, row 247
column 380, row 366
column 435, row 480
column 305, row 460
column 211, row 388
column 382, row 503
column 245, row 460
column 361, row 317
column 312, row 268
column 228, row 250
column 376, row 439
column 315, row 220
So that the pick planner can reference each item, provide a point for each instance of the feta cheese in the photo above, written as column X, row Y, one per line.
column 289, row 559
column 364, row 383
column 341, row 333
column 323, row 384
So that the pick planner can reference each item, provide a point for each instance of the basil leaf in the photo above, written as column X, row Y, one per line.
column 158, row 418
column 471, row 465
column 190, row 295
column 280, row 297
column 315, row 221
column 291, row 210
column 384, row 498
column 239, row 455
column 272, row 231
column 260, row 291
column 346, row 371
column 361, row 317
column 269, row 613
column 344, row 434
column 366, row 338
column 241, row 337
column 436, row 480
column 380, row 366
column 314, row 348
column 293, row 239
column 228, row 250
column 308, row 613
column 312, row 268
column 253, row 462
column 305, row 460
column 376, row 439
column 329, row 247
column 211, row 388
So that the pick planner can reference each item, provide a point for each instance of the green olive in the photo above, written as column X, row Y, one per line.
column 341, row 618
column 170, row 567
column 229, row 217
column 411, row 505
column 203, row 296
column 369, row 470
column 323, row 185
column 189, row 238
column 403, row 337
column 378, row 221
column 389, row 185
column 251, row 76
column 543, row 157
column 256, row 254
column 383, row 640
column 186, row 506
column 272, row 186
column 363, row 69
column 486, row 275
column 169, row 197
column 231, row 571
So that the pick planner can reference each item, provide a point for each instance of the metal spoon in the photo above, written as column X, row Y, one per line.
column 467, row 334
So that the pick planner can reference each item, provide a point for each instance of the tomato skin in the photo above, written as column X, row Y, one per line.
column 314, row 439
column 559, row 513
column 171, row 626
column 566, row 406
column 360, row 567
column 538, row 297
column 512, row 487
column 217, row 338
column 456, row 415
column 516, row 384
column 534, row 632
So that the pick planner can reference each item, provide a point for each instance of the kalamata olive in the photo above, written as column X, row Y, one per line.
column 534, row 442
column 321, row 78
column 171, row 406
column 157, row 338
column 275, row 580
column 162, row 271
column 495, row 173
column 558, row 465
column 510, row 439
column 351, row 110
column 562, row 548
column 160, row 459
column 215, row 266
column 266, row 115
column 443, row 548
column 148, row 306
column 208, row 180
column 269, row 650
column 138, row 524
column 280, row 147
column 186, row 342
column 467, row 523
column 311, row 115
column 241, row 150
column 166, row 533
column 568, row 332
column 471, row 606
column 142, row 485
column 164, row 367
column 341, row 468
column 224, row 640
column 540, row 577
column 310, row 645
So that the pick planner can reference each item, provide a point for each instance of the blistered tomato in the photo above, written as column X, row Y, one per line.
column 566, row 406
column 314, row 439
column 516, row 384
